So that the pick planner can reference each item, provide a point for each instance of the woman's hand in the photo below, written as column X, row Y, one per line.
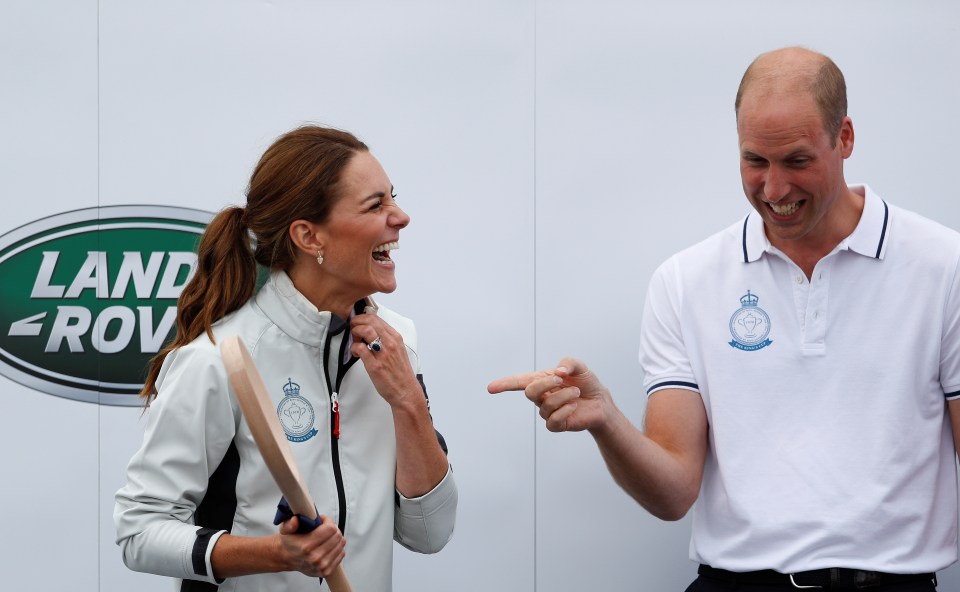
column 316, row 553
column 421, row 463
column 389, row 368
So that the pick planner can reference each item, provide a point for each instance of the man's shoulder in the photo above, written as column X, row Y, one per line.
column 921, row 241
column 912, row 226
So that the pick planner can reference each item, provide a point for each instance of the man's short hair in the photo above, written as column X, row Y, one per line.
column 826, row 85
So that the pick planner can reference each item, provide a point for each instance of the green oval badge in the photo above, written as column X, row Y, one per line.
column 90, row 296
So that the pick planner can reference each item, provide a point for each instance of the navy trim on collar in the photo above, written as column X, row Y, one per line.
column 869, row 238
column 746, row 259
column 883, row 231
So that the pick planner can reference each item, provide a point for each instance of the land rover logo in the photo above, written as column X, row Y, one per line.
column 89, row 296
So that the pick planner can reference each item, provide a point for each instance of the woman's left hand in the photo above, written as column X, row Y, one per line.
column 389, row 368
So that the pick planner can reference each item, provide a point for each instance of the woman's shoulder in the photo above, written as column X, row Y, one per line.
column 199, row 362
column 247, row 322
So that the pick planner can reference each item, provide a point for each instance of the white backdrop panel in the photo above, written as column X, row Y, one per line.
column 443, row 94
column 48, row 147
column 551, row 154
column 637, row 159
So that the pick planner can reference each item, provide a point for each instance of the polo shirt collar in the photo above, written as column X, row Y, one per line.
column 871, row 235
column 869, row 238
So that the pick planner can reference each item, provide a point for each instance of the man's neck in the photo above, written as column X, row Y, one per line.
column 837, row 225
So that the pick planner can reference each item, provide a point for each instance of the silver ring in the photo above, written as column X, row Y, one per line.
column 375, row 346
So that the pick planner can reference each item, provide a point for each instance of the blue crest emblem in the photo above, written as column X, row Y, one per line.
column 750, row 325
column 296, row 414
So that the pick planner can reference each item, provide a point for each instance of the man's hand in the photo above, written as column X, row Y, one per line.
column 570, row 397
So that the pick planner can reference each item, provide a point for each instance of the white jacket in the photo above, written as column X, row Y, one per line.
column 199, row 473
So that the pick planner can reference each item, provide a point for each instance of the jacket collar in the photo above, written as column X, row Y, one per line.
column 294, row 314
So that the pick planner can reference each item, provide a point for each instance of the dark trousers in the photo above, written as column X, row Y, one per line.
column 702, row 584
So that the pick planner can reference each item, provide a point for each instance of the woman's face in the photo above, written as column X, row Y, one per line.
column 364, row 226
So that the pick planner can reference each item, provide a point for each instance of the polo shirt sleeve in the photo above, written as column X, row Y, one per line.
column 663, row 354
column 950, row 339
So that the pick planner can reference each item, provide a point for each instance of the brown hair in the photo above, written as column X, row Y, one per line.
column 825, row 84
column 296, row 178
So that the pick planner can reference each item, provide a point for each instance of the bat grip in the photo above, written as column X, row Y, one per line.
column 304, row 524
column 337, row 580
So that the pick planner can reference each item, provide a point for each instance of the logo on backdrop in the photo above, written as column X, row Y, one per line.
column 750, row 325
column 296, row 414
column 89, row 296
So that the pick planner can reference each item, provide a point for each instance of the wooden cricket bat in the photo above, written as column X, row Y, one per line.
column 258, row 409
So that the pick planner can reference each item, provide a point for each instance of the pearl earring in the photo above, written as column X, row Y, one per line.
column 319, row 258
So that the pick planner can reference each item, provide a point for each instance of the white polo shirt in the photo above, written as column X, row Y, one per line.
column 829, row 440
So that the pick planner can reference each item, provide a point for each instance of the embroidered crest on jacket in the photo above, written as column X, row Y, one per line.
column 296, row 414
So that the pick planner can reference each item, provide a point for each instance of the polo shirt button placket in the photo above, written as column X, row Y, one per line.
column 815, row 332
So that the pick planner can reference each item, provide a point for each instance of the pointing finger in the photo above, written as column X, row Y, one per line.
column 515, row 382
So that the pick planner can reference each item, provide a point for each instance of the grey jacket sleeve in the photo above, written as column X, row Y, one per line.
column 425, row 524
column 190, row 425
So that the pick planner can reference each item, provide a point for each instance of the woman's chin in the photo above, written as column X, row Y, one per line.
column 387, row 289
column 385, row 285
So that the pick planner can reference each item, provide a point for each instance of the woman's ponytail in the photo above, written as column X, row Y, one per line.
column 225, row 278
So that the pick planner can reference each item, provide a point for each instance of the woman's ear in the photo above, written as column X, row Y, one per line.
column 307, row 237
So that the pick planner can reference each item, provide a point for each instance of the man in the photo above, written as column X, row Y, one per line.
column 802, row 366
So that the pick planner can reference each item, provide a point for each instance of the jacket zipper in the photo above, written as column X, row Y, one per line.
column 335, row 425
column 335, row 409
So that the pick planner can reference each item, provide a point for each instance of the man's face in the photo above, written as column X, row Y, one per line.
column 791, row 174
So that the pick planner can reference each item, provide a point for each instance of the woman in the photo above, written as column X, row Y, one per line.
column 199, row 503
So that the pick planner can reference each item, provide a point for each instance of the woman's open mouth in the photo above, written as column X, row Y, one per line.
column 382, row 253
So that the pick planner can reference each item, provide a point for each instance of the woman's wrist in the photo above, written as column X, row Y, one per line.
column 234, row 556
column 411, row 402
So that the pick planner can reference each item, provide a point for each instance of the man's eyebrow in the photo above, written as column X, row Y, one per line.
column 799, row 153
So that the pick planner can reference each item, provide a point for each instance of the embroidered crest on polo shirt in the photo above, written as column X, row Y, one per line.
column 296, row 414
column 750, row 325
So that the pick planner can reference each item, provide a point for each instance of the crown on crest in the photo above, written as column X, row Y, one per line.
column 291, row 388
column 749, row 299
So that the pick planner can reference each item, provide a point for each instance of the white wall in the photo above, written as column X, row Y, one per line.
column 50, row 499
column 551, row 154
